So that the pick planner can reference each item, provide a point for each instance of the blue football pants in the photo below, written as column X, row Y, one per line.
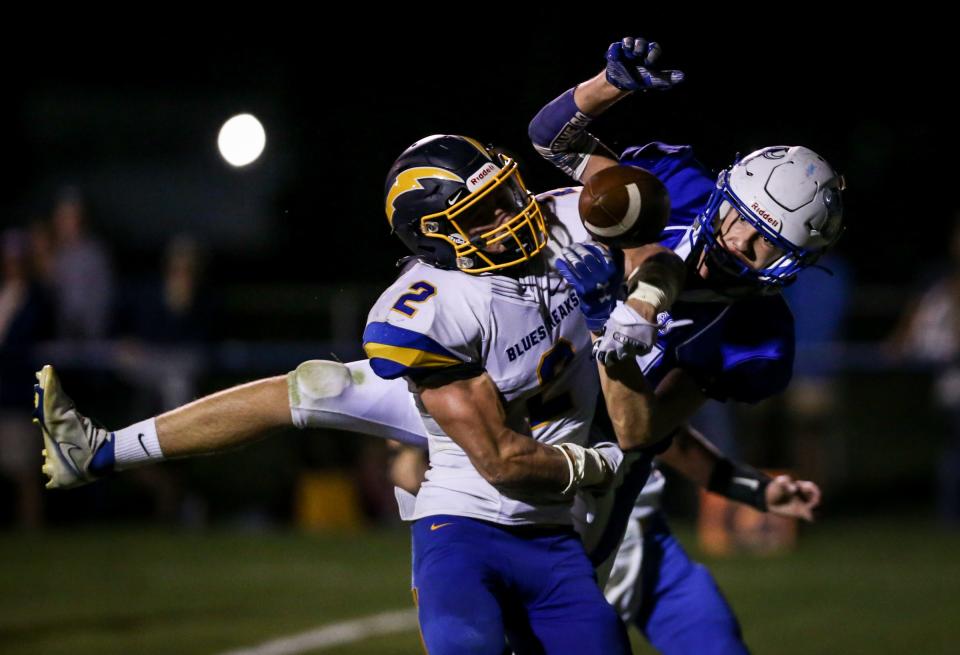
column 479, row 584
column 682, row 611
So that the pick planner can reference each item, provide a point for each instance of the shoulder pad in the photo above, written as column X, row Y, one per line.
column 428, row 319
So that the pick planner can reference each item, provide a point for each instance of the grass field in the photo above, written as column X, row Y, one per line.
column 890, row 586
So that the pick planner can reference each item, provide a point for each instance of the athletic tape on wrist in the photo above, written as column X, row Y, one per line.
column 649, row 294
column 570, row 467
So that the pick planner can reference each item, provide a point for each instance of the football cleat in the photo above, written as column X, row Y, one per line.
column 70, row 438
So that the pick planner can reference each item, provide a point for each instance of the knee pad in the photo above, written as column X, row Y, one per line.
column 315, row 380
column 349, row 397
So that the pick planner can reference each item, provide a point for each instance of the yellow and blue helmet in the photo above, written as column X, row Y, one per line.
column 459, row 205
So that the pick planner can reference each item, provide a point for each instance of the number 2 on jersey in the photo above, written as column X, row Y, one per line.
column 551, row 366
column 417, row 293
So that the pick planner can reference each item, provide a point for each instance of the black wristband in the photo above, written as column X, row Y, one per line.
column 740, row 482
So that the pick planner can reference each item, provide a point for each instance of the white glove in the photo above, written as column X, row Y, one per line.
column 627, row 334
column 594, row 467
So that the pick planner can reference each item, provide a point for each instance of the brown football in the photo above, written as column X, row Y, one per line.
column 624, row 206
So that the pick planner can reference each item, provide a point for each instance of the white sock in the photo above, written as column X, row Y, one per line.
column 136, row 445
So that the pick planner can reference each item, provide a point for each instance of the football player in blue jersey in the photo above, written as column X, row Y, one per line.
column 740, row 238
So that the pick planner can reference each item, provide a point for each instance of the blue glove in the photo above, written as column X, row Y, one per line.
column 631, row 66
column 596, row 276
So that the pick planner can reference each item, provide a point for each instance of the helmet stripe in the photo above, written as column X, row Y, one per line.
column 409, row 180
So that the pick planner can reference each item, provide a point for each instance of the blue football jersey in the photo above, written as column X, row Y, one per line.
column 737, row 350
column 740, row 350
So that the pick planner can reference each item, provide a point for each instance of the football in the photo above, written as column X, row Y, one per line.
column 624, row 206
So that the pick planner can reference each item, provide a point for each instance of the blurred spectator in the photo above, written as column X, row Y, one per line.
column 82, row 278
column 42, row 252
column 166, row 323
column 169, row 321
column 175, row 309
column 24, row 319
column 929, row 332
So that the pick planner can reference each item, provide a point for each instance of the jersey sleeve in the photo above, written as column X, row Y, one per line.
column 688, row 182
column 427, row 327
column 753, row 378
column 756, row 353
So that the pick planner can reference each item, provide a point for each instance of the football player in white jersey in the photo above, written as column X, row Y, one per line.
column 496, row 353
column 492, row 343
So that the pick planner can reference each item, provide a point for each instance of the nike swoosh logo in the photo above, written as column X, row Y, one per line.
column 140, row 439
column 66, row 450
column 436, row 526
column 747, row 482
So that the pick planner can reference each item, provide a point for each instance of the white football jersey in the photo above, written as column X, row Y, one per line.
column 527, row 334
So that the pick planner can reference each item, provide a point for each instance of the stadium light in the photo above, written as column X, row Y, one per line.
column 241, row 140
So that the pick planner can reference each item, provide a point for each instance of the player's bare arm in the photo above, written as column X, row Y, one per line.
column 677, row 399
column 470, row 412
column 697, row 459
column 641, row 416
column 630, row 401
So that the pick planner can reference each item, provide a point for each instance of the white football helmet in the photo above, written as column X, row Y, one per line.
column 791, row 196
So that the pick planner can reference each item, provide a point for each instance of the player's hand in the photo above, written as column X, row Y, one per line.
column 592, row 468
column 632, row 66
column 612, row 457
column 595, row 274
column 792, row 498
column 627, row 334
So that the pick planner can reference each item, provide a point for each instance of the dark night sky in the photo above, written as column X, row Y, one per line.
column 132, row 120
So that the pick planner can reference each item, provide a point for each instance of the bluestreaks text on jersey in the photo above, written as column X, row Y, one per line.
column 541, row 332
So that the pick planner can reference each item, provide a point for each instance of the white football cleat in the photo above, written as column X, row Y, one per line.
column 70, row 438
